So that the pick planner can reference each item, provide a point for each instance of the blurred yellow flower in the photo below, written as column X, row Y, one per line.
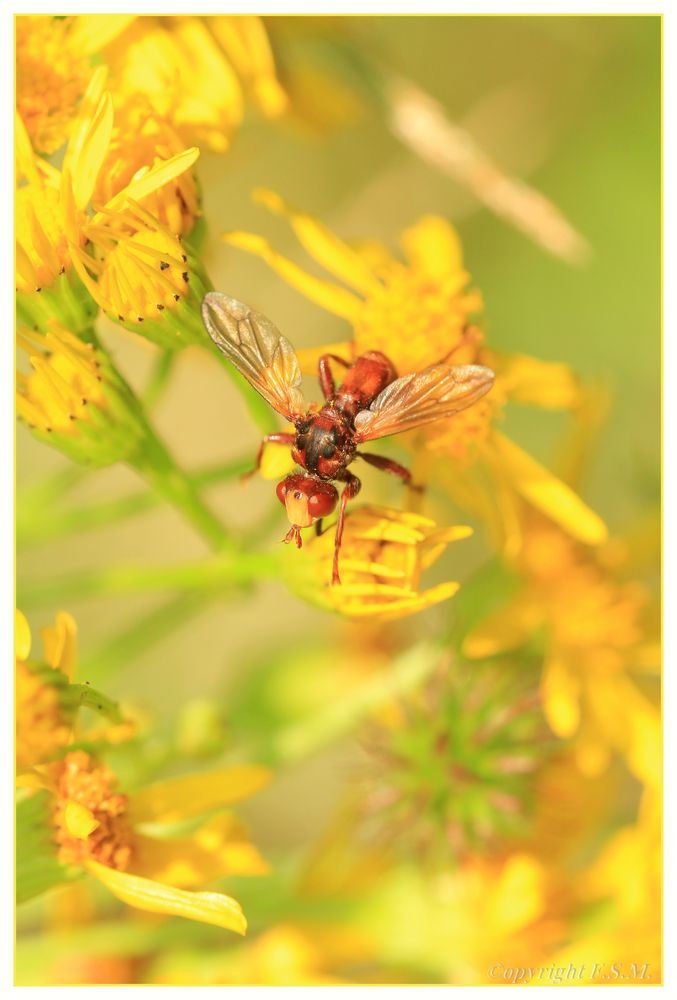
column 594, row 643
column 75, row 400
column 42, row 727
column 47, row 700
column 288, row 954
column 421, row 312
column 463, row 924
column 383, row 554
column 51, row 76
column 192, row 70
column 624, row 885
column 102, row 831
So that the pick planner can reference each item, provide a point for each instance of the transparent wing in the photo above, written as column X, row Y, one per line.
column 419, row 398
column 258, row 350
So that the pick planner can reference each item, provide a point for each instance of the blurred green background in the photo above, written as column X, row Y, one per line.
column 572, row 104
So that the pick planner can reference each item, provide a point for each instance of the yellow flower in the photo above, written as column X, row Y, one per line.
column 594, row 642
column 47, row 699
column 75, row 400
column 383, row 554
column 320, row 96
column 465, row 924
column 141, row 275
column 189, row 73
column 103, row 832
column 140, row 140
column 419, row 312
column 42, row 726
column 51, row 76
column 53, row 226
column 624, row 885
column 289, row 954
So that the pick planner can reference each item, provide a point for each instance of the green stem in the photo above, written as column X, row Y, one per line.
column 158, row 467
column 33, row 527
column 232, row 569
column 159, row 379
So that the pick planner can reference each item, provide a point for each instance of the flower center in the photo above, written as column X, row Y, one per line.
column 50, row 79
column 417, row 321
column 90, row 818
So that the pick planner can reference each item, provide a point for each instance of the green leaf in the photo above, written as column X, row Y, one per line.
column 37, row 867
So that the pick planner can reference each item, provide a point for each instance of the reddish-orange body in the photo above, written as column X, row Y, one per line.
column 371, row 403
column 324, row 443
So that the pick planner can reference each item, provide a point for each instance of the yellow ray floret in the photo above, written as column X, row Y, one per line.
column 383, row 554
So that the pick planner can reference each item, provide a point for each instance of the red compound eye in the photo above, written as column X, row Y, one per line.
column 322, row 502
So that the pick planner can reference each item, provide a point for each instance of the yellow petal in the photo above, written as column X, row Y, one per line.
column 276, row 461
column 548, row 493
column 560, row 690
column 22, row 636
column 36, row 779
column 79, row 821
column 88, row 147
column 434, row 247
column 23, row 153
column 91, row 32
column 154, row 897
column 389, row 606
column 327, row 249
column 162, row 173
column 246, row 44
column 506, row 629
column 191, row 794
column 215, row 850
column 548, row 384
column 324, row 293
column 59, row 642
column 519, row 896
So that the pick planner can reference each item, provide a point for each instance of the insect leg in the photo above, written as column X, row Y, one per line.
column 281, row 438
column 325, row 376
column 388, row 465
column 351, row 489
column 471, row 337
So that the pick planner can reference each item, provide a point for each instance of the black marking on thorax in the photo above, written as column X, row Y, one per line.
column 319, row 442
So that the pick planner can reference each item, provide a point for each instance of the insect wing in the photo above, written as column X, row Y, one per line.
column 257, row 349
column 433, row 394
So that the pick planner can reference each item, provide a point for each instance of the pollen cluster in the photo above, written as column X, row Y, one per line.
column 90, row 786
column 419, row 321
